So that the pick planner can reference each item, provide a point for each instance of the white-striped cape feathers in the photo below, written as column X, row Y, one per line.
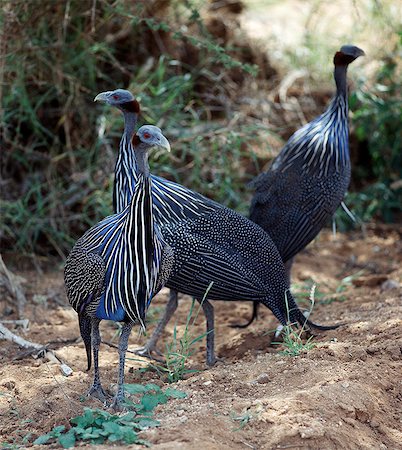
column 320, row 143
column 131, row 247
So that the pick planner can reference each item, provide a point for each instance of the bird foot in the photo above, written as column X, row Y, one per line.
column 213, row 360
column 278, row 330
column 147, row 352
column 118, row 404
column 97, row 391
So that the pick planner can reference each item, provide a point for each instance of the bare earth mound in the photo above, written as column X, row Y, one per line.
column 346, row 393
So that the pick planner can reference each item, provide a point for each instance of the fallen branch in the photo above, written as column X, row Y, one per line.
column 38, row 350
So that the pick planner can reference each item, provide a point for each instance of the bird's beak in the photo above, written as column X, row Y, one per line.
column 164, row 143
column 102, row 97
column 360, row 52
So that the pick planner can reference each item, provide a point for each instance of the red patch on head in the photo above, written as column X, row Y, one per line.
column 136, row 140
column 132, row 106
column 340, row 59
column 147, row 135
column 115, row 96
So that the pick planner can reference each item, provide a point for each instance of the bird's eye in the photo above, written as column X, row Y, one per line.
column 115, row 96
column 147, row 135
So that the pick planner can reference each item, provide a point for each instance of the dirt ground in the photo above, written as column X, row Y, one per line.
column 346, row 393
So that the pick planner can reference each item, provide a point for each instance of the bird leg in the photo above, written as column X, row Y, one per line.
column 123, row 344
column 96, row 389
column 209, row 316
column 150, row 345
column 250, row 321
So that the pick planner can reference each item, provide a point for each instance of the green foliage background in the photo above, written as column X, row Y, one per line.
column 58, row 148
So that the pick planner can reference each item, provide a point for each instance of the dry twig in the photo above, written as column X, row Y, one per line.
column 11, row 283
column 38, row 349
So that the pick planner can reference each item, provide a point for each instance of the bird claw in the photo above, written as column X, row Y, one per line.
column 118, row 404
column 278, row 330
column 214, row 360
column 98, row 392
column 147, row 352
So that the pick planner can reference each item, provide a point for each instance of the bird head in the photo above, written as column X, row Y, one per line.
column 347, row 54
column 151, row 136
column 120, row 98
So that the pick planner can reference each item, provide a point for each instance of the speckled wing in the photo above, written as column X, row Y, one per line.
column 224, row 248
column 84, row 276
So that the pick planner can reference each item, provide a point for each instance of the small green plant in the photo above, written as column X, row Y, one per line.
column 97, row 426
column 292, row 337
column 179, row 350
column 293, row 342
column 151, row 396
column 243, row 419
column 246, row 416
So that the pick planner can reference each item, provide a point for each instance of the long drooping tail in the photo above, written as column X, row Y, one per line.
column 85, row 330
column 289, row 312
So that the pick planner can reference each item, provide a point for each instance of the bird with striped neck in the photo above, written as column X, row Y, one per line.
column 216, row 250
column 115, row 269
column 308, row 180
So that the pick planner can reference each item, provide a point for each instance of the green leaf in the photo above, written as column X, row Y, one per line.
column 128, row 417
column 152, row 387
column 57, row 430
column 42, row 439
column 150, row 401
column 175, row 393
column 131, row 437
column 114, row 437
column 135, row 388
column 112, row 427
column 67, row 440
column 147, row 422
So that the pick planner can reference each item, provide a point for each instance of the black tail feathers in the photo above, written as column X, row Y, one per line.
column 85, row 330
column 250, row 321
column 294, row 314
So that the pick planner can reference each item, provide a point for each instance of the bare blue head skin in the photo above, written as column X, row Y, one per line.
column 346, row 55
column 148, row 136
column 125, row 101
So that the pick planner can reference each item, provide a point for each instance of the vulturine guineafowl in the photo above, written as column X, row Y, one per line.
column 212, row 244
column 307, row 181
column 117, row 266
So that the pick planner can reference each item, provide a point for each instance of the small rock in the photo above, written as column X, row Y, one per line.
column 345, row 385
column 308, row 433
column 10, row 385
column 207, row 383
column 374, row 423
column 389, row 285
column 183, row 419
column 66, row 370
column 263, row 378
column 47, row 389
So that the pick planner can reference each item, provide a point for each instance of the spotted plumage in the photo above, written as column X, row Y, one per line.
column 307, row 181
column 118, row 265
column 214, row 248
